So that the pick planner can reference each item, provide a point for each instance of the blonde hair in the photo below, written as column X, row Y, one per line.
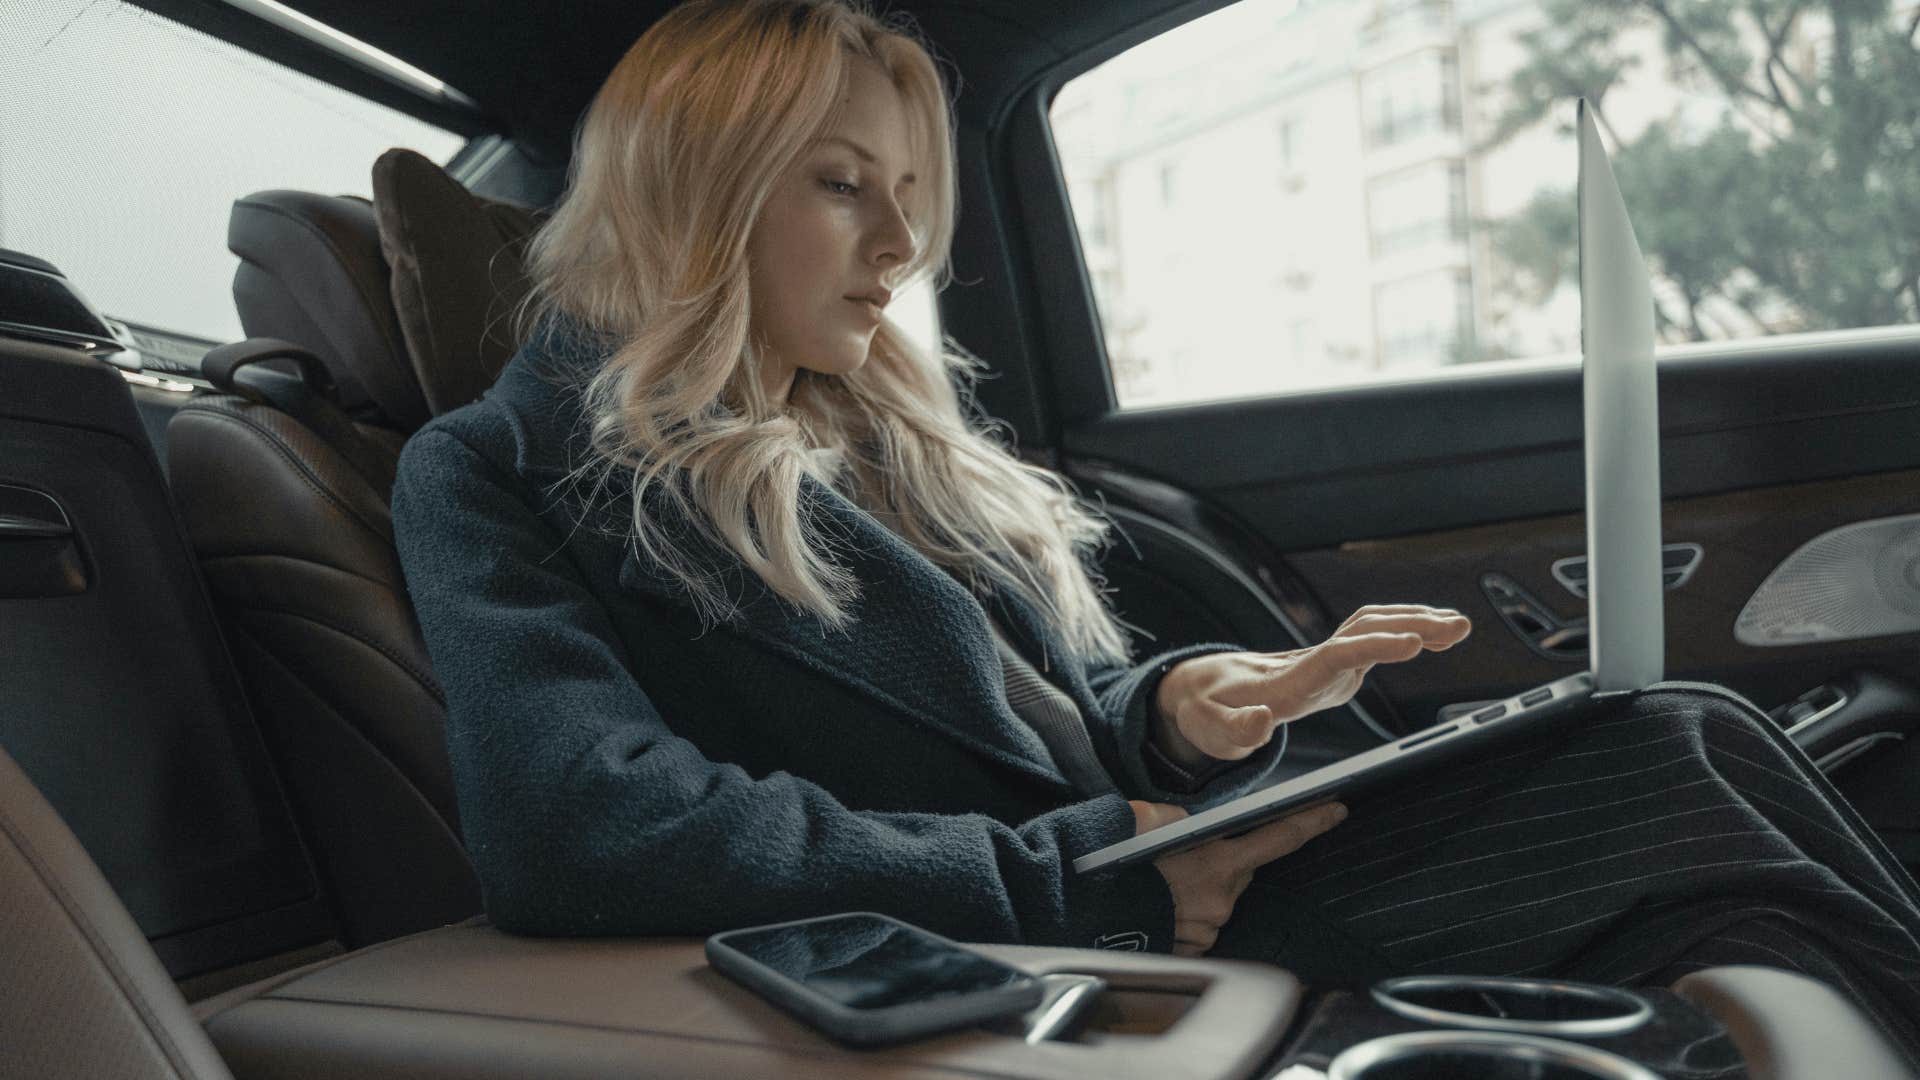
column 673, row 161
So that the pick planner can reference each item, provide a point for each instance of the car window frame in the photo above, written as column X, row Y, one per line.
column 1071, row 354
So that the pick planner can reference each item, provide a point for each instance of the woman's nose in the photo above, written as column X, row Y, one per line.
column 891, row 242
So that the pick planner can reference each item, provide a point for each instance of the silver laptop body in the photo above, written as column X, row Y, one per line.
column 1626, row 648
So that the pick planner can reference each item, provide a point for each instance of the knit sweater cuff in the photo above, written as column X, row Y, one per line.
column 1127, row 909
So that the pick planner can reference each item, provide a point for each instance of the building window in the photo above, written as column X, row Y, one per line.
column 1310, row 159
column 1288, row 143
column 1421, row 321
column 1457, row 201
column 1419, row 95
column 1417, row 208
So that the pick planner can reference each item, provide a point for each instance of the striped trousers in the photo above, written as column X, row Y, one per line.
column 1676, row 829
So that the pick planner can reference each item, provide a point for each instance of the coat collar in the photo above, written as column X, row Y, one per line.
column 919, row 644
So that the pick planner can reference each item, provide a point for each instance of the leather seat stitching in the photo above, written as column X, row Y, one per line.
column 355, row 731
column 407, row 238
column 169, row 1049
column 268, row 986
column 426, row 680
column 236, row 556
column 306, row 471
column 340, row 257
column 822, row 1052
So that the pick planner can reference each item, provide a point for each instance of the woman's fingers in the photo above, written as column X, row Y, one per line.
column 1207, row 881
column 1226, row 731
column 1286, row 836
column 1148, row 816
column 1394, row 609
column 1210, row 906
column 1437, row 630
column 1341, row 654
column 1250, row 727
column 1193, row 939
column 1247, row 727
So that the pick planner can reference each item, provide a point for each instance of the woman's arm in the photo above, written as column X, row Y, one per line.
column 585, row 814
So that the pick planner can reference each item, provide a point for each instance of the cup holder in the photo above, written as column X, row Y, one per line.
column 1484, row 1055
column 1532, row 1006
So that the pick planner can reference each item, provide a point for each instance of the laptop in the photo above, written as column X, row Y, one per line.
column 1626, row 644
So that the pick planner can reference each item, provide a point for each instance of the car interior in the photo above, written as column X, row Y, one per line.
column 231, row 844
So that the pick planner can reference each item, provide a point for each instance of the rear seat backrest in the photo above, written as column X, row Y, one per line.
column 117, row 694
column 297, row 544
column 85, row 995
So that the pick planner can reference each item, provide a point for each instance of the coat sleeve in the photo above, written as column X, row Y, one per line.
column 1126, row 694
column 585, row 814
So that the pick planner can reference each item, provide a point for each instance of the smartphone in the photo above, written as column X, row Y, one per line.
column 868, row 979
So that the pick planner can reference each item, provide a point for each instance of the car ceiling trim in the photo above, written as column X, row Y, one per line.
column 358, row 53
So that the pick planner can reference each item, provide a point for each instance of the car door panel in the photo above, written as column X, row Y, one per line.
column 1744, row 535
column 1413, row 492
column 1313, row 469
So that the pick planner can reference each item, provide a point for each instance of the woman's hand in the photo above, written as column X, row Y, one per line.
column 1227, row 705
column 1207, row 880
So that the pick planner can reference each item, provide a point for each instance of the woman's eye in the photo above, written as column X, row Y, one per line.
column 841, row 187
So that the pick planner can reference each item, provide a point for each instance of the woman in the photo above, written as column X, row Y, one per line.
column 741, row 619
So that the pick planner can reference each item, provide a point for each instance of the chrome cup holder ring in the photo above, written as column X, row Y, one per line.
column 1495, row 1055
column 1504, row 1003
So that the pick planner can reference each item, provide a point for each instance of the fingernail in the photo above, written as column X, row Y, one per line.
column 1339, row 811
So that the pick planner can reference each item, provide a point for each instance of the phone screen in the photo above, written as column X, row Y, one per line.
column 866, row 963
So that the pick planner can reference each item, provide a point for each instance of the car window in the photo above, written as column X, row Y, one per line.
column 124, row 178
column 125, row 138
column 1286, row 195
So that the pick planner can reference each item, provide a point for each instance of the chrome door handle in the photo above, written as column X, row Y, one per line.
column 22, row 527
column 1677, row 564
column 1533, row 622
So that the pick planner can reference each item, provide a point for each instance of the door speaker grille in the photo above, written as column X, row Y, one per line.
column 1857, row 581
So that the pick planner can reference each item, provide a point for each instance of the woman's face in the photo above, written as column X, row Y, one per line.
column 832, row 238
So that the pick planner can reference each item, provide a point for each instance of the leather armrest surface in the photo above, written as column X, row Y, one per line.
column 469, row 1001
column 1790, row 1027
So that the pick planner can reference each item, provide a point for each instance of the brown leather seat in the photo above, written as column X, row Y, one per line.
column 288, row 519
column 86, row 996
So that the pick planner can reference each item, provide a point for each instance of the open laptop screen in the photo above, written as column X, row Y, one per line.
column 1624, row 589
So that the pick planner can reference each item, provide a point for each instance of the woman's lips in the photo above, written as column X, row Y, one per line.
column 867, row 307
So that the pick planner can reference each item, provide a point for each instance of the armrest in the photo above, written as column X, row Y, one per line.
column 468, row 1001
column 1790, row 1027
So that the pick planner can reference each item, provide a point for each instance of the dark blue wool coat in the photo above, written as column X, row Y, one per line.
column 621, row 772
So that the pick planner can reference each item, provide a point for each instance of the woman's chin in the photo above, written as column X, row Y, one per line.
column 839, row 365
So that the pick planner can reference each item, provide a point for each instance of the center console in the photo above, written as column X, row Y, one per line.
column 1727, row 1022
column 468, row 1001
column 1495, row 1027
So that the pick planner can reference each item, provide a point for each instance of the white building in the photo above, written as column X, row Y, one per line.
column 1280, row 195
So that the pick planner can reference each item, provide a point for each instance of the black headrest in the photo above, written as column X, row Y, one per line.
column 458, row 274
column 410, row 309
column 311, row 272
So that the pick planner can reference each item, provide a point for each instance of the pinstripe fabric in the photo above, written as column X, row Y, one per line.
column 1052, row 714
column 1677, row 830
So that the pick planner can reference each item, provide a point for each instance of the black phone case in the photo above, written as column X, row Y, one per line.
column 871, row 1027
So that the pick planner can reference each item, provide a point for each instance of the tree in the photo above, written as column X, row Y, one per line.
column 1800, row 210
